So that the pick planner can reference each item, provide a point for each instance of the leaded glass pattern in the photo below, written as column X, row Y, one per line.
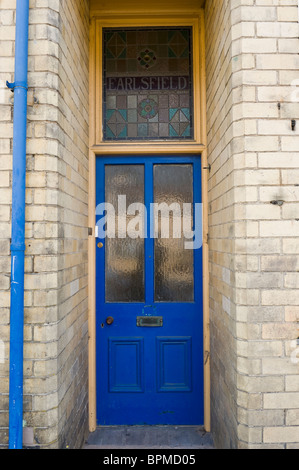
column 148, row 85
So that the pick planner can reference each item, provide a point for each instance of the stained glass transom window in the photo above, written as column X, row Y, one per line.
column 148, row 84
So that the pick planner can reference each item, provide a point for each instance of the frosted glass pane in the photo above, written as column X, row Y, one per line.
column 174, row 265
column 124, row 256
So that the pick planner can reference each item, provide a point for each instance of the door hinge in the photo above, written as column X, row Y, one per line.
column 208, row 168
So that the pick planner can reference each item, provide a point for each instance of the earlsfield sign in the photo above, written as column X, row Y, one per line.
column 148, row 83
column 176, row 221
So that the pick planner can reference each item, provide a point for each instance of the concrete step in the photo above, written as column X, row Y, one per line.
column 149, row 437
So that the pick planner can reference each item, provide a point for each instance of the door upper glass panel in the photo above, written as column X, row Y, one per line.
column 174, row 265
column 170, row 208
column 124, row 255
column 147, row 84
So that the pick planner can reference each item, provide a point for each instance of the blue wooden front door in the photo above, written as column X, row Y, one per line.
column 148, row 292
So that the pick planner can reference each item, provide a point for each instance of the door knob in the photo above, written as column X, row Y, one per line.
column 109, row 320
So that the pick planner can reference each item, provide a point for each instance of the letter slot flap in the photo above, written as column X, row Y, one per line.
column 150, row 322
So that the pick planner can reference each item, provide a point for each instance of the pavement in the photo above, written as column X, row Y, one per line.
column 149, row 437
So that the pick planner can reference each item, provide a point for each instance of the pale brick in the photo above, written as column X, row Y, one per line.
column 292, row 314
column 281, row 401
column 266, row 418
column 261, row 384
column 292, row 384
column 260, row 13
column 292, row 418
column 279, row 366
column 282, row 297
column 280, row 331
column 254, row 45
column 250, row 435
column 265, row 29
column 284, row 228
column 291, row 280
column 287, row 14
column 281, row 434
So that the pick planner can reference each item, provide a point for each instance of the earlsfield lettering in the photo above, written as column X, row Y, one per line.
column 147, row 83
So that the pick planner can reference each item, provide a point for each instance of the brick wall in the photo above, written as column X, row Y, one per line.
column 222, row 225
column 271, row 45
column 55, row 348
column 254, row 243
column 73, row 184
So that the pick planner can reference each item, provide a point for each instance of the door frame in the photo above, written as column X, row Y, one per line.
column 98, row 148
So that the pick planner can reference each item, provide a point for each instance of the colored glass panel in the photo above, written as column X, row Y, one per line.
column 147, row 84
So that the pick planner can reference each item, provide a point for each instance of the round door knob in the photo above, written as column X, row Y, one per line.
column 109, row 320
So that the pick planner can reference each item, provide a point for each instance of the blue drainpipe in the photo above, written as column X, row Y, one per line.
column 19, row 87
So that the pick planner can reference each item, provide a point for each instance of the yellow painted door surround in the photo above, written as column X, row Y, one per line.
column 134, row 14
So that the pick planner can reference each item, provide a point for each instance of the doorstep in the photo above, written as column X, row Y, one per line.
column 149, row 437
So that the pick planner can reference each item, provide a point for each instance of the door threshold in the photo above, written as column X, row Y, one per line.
column 149, row 437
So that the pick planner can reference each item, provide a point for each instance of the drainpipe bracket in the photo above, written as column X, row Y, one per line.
column 17, row 247
column 14, row 85
column 9, row 85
